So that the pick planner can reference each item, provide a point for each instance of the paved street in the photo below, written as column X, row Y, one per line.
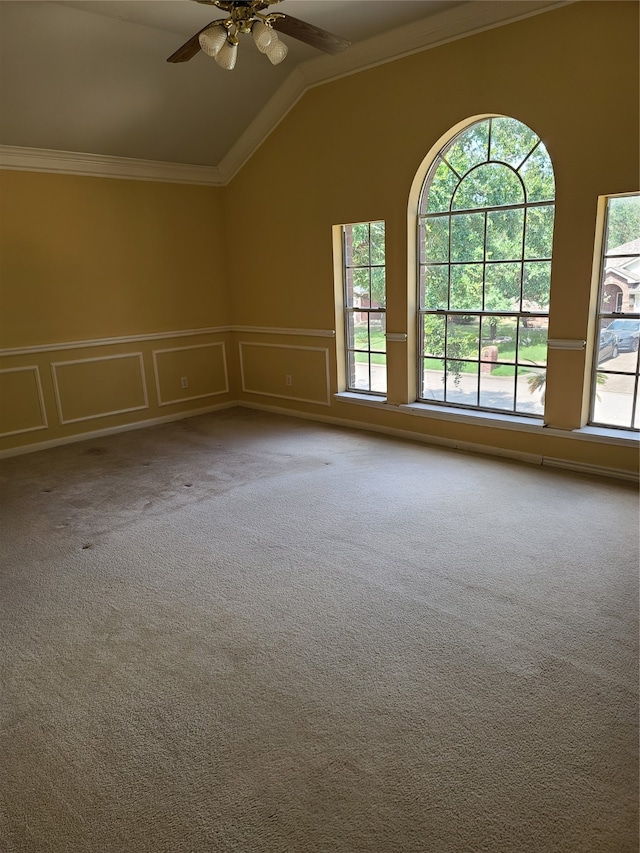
column 613, row 406
column 615, row 397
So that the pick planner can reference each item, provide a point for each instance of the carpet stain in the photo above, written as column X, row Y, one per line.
column 277, row 659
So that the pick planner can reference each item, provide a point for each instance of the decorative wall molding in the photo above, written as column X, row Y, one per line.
column 105, row 342
column 158, row 336
column 247, row 390
column 43, row 410
column 113, row 430
column 56, row 387
column 556, row 343
column 156, row 372
column 102, row 166
column 584, row 468
column 449, row 25
column 303, row 333
column 440, row 441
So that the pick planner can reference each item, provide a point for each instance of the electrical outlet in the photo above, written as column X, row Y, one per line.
column 287, row 379
column 184, row 382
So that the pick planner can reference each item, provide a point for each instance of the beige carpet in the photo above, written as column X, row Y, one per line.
column 250, row 633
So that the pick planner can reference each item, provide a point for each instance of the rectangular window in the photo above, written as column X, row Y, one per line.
column 615, row 401
column 483, row 308
column 364, row 276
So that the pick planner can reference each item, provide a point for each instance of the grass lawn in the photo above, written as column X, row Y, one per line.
column 378, row 342
column 536, row 353
column 532, row 355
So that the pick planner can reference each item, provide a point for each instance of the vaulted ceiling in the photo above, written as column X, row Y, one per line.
column 92, row 77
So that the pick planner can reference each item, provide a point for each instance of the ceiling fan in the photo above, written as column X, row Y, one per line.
column 220, row 38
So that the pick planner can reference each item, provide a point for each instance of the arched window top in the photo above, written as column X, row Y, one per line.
column 496, row 162
column 488, row 185
column 484, row 243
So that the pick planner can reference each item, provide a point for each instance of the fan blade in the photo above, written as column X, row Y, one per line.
column 310, row 34
column 189, row 48
column 227, row 5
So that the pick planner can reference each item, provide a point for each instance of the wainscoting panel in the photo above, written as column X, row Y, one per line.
column 288, row 372
column 190, row 373
column 22, row 406
column 59, row 392
column 95, row 387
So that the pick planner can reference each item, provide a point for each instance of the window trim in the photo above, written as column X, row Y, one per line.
column 601, row 255
column 418, row 191
column 368, row 310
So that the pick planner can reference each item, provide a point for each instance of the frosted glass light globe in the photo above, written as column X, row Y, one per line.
column 262, row 36
column 276, row 51
column 227, row 55
column 212, row 39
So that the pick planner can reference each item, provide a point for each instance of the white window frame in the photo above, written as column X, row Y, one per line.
column 520, row 316
column 609, row 368
column 353, row 384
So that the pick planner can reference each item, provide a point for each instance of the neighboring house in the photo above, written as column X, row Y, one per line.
column 622, row 279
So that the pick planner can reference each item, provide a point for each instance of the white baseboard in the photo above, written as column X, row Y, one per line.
column 449, row 443
column 585, row 468
column 100, row 433
column 468, row 447
column 437, row 441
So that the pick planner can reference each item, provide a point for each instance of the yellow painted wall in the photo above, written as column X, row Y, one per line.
column 84, row 259
column 350, row 150
column 105, row 288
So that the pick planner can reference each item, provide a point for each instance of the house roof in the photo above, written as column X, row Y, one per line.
column 630, row 248
column 626, row 266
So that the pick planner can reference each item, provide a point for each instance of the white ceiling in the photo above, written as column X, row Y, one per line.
column 92, row 76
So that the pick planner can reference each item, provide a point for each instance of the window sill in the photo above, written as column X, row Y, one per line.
column 601, row 435
column 447, row 413
column 373, row 400
column 604, row 435
column 492, row 419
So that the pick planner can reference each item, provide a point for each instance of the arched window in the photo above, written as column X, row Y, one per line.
column 485, row 230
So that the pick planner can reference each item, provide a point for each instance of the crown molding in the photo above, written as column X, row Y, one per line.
column 101, row 166
column 450, row 25
column 446, row 26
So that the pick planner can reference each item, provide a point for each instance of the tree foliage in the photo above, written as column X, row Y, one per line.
column 366, row 260
column 483, row 247
column 623, row 223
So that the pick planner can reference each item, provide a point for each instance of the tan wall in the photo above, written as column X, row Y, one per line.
column 350, row 150
column 97, row 277
column 51, row 395
column 82, row 259
column 94, row 258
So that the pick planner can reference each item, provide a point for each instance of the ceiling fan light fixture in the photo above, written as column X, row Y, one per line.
column 227, row 55
column 276, row 51
column 263, row 36
column 212, row 39
column 219, row 39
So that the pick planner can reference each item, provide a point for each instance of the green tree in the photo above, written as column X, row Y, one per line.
column 367, row 265
column 623, row 224
column 475, row 256
column 368, row 260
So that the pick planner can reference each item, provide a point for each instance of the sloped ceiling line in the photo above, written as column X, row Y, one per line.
column 450, row 25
